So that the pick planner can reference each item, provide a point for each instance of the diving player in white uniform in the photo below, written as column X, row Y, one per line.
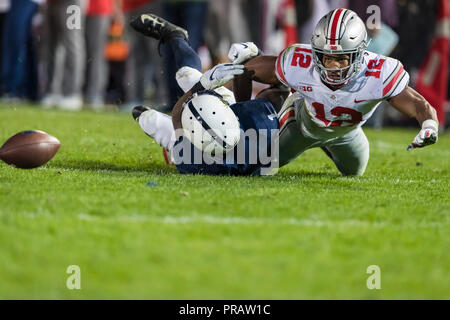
column 336, row 87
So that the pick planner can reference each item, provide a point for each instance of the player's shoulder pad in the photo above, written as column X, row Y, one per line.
column 296, row 55
column 393, row 78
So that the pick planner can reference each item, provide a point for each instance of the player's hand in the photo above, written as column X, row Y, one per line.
column 241, row 52
column 428, row 135
column 220, row 74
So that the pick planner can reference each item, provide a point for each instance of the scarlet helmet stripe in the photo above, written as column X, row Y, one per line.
column 334, row 30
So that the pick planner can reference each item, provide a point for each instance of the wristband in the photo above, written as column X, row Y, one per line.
column 430, row 123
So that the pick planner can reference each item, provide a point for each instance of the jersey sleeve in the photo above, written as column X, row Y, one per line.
column 292, row 63
column 395, row 78
column 280, row 65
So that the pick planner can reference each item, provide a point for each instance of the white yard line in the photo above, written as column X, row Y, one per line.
column 249, row 221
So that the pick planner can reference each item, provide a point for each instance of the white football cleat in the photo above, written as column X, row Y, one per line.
column 156, row 125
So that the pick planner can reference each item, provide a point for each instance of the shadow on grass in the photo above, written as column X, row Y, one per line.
column 290, row 175
column 95, row 165
column 309, row 174
column 164, row 169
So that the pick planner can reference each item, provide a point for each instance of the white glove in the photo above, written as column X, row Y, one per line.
column 241, row 52
column 220, row 74
column 428, row 135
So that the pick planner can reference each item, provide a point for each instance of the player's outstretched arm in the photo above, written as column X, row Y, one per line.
column 262, row 69
column 411, row 103
column 242, row 87
column 178, row 109
column 258, row 67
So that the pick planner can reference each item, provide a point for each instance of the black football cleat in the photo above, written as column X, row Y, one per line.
column 157, row 28
column 137, row 111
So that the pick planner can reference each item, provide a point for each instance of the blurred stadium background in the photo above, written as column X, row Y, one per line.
column 105, row 65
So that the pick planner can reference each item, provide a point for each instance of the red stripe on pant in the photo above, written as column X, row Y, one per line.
column 290, row 114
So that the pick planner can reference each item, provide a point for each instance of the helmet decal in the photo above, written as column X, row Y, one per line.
column 334, row 26
column 340, row 31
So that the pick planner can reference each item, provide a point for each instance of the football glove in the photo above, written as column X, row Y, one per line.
column 242, row 52
column 427, row 135
column 220, row 74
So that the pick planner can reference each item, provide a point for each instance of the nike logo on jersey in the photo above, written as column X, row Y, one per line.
column 359, row 101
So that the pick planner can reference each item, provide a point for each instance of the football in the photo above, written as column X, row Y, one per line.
column 29, row 149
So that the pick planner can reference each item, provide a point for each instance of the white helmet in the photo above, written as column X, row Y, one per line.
column 340, row 31
column 209, row 123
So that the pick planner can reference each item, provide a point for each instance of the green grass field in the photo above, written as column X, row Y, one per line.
column 108, row 203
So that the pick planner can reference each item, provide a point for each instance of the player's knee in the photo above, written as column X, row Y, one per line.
column 186, row 77
column 355, row 168
column 353, row 172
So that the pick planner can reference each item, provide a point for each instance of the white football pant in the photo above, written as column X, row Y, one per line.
column 350, row 152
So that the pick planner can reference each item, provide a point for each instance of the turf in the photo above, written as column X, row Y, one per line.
column 138, row 229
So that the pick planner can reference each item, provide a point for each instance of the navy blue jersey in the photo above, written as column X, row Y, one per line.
column 246, row 158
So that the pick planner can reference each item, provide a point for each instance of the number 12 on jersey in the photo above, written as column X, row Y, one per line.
column 301, row 60
column 355, row 116
column 374, row 68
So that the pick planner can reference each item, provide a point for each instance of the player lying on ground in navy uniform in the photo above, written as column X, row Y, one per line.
column 209, row 132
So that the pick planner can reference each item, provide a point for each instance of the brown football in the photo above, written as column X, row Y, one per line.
column 29, row 149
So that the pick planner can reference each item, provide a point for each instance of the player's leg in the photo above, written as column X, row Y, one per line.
column 170, row 35
column 175, row 41
column 350, row 153
column 156, row 125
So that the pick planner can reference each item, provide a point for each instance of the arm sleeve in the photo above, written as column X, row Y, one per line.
column 280, row 65
column 395, row 78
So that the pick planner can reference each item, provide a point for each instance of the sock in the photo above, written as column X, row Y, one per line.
column 158, row 126
column 186, row 77
column 184, row 55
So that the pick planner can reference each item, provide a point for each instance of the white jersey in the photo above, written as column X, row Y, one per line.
column 325, row 113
